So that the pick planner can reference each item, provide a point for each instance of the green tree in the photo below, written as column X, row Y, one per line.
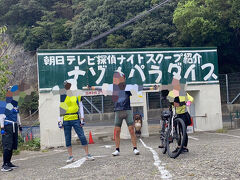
column 24, row 13
column 37, row 23
column 30, row 103
column 95, row 17
column 211, row 23
column 4, row 63
column 49, row 33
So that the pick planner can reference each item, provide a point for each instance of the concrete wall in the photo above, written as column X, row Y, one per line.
column 207, row 102
column 105, row 117
column 51, row 135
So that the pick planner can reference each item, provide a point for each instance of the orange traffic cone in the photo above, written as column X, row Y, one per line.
column 26, row 139
column 90, row 138
column 114, row 135
column 30, row 136
column 191, row 122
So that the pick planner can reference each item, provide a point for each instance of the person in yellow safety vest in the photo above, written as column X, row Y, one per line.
column 180, row 104
column 72, row 115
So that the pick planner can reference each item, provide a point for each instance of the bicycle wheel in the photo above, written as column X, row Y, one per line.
column 164, row 143
column 176, row 138
column 164, row 150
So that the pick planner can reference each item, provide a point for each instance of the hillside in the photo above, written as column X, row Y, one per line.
column 64, row 24
column 24, row 66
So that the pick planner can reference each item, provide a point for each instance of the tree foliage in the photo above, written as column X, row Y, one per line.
column 66, row 23
column 97, row 17
column 59, row 24
column 29, row 104
column 4, row 63
column 211, row 23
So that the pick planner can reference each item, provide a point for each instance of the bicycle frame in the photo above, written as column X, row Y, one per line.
column 171, row 119
column 170, row 132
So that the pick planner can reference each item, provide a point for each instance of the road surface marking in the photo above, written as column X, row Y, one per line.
column 225, row 135
column 77, row 163
column 193, row 138
column 107, row 146
column 164, row 173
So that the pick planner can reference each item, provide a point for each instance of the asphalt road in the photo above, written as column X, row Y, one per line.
column 211, row 156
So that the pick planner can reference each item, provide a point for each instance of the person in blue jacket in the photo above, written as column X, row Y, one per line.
column 10, row 122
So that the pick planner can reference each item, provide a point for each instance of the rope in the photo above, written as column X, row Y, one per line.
column 34, row 124
column 141, row 15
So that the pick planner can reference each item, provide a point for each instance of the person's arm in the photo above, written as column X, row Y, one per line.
column 55, row 90
column 63, row 109
column 81, row 112
column 129, row 93
column 170, row 96
column 60, row 122
column 99, row 88
column 153, row 87
column 19, row 122
column 19, row 119
column 139, row 88
column 107, row 89
column 190, row 99
column 2, row 118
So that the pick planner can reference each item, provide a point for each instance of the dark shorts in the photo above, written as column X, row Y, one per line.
column 67, row 125
column 10, row 139
column 120, row 115
column 186, row 118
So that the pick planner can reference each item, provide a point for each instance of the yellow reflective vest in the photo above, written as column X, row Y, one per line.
column 182, row 108
column 72, row 107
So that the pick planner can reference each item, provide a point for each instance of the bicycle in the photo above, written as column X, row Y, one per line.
column 173, row 133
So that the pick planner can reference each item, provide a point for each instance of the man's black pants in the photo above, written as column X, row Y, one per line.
column 9, row 142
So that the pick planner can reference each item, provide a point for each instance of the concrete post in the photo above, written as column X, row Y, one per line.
column 51, row 135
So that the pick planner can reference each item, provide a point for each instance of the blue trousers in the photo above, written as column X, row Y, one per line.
column 67, row 125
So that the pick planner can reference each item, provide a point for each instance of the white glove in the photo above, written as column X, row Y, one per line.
column 60, row 122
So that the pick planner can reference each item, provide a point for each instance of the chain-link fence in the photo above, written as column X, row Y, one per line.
column 230, row 98
column 230, row 88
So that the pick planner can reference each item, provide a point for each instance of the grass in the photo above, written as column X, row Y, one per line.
column 221, row 130
column 45, row 150
column 31, row 145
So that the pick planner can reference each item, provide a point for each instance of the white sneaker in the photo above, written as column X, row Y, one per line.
column 136, row 152
column 89, row 157
column 70, row 159
column 116, row 153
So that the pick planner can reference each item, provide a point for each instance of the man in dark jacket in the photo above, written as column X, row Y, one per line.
column 10, row 122
column 122, row 108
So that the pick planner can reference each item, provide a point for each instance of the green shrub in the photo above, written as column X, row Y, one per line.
column 31, row 145
column 221, row 131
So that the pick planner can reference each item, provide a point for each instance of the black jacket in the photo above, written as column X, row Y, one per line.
column 122, row 101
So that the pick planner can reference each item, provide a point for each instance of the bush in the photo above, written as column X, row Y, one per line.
column 32, row 145
column 221, row 131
